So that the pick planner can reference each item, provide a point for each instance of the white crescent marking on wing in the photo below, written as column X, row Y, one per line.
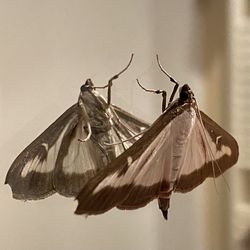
column 47, row 165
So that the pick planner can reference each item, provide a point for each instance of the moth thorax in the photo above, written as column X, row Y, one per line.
column 182, row 126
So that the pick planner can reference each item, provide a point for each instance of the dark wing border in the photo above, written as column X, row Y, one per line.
column 37, row 185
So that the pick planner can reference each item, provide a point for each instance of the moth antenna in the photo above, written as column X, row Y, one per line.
column 170, row 78
column 122, row 141
column 162, row 92
column 110, row 82
column 88, row 136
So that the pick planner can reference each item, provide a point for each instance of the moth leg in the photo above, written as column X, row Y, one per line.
column 85, row 119
column 119, row 137
column 164, row 204
column 110, row 83
column 89, row 133
column 162, row 92
column 171, row 80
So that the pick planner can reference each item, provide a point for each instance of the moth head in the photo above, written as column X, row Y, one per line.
column 186, row 93
column 91, row 98
column 87, row 86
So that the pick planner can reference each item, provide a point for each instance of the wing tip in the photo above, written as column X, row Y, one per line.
column 80, row 211
column 6, row 181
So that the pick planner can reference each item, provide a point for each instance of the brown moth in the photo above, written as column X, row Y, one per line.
column 72, row 149
column 176, row 154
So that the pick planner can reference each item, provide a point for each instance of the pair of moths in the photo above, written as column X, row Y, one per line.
column 87, row 153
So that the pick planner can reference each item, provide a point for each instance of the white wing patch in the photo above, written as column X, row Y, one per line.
column 48, row 164
column 217, row 154
column 46, row 146
column 130, row 160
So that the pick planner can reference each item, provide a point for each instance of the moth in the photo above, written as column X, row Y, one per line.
column 176, row 154
column 79, row 143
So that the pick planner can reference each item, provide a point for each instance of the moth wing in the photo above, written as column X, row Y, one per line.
column 210, row 151
column 78, row 161
column 135, row 124
column 127, row 126
column 132, row 180
column 31, row 174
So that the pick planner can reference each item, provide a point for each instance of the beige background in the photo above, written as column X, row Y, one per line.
column 47, row 50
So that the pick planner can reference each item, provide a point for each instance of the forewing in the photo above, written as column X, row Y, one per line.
column 31, row 174
column 210, row 151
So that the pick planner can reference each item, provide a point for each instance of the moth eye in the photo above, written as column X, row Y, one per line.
column 84, row 87
column 184, row 95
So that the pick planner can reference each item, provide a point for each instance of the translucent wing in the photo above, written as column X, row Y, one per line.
column 58, row 162
column 31, row 174
column 136, row 125
column 126, row 126
column 77, row 161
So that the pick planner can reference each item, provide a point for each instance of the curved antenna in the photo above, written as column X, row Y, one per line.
column 170, row 78
column 162, row 92
column 117, row 75
column 110, row 82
